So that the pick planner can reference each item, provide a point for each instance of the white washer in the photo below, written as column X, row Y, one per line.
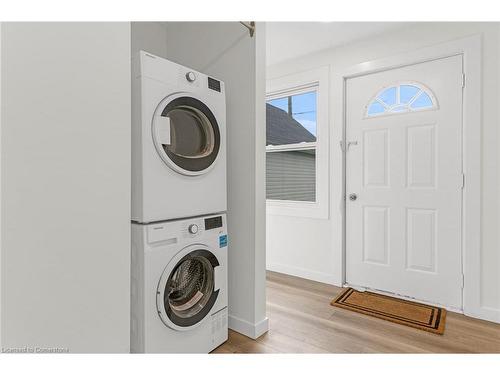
column 178, row 141
column 179, row 286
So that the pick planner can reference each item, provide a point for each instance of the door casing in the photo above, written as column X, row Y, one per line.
column 470, row 49
column 398, row 193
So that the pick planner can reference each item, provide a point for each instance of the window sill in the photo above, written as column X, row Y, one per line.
column 313, row 210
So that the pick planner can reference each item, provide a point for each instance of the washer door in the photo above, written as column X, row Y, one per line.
column 186, row 134
column 187, row 289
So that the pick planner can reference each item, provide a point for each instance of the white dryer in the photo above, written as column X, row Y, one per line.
column 178, row 141
column 179, row 286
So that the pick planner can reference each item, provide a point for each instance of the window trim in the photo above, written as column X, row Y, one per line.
column 295, row 90
column 292, row 147
column 312, row 80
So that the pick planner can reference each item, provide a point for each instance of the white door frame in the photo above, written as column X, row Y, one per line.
column 470, row 49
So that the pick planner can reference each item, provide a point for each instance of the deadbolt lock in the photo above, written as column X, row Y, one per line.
column 353, row 196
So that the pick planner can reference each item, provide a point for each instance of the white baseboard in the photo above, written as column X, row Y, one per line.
column 484, row 313
column 304, row 273
column 248, row 329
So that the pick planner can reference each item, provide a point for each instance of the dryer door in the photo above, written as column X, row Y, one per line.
column 186, row 134
column 187, row 288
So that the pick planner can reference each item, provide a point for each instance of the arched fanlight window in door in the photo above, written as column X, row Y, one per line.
column 401, row 98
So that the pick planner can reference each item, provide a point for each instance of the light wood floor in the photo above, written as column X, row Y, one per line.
column 302, row 321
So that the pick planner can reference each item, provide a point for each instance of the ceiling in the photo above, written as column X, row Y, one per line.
column 288, row 40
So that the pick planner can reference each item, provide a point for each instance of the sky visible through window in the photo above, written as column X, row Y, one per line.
column 400, row 98
column 303, row 109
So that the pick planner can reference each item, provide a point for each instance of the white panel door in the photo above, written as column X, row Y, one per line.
column 404, row 181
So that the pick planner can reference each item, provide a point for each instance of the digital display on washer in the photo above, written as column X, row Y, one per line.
column 213, row 222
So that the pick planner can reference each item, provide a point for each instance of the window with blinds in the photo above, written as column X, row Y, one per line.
column 291, row 146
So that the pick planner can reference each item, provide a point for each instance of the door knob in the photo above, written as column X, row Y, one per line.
column 353, row 196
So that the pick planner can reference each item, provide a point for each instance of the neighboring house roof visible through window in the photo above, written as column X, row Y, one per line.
column 283, row 129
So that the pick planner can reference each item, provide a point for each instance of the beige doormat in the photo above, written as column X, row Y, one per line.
column 412, row 314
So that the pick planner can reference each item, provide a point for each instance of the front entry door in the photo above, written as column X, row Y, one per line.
column 404, row 181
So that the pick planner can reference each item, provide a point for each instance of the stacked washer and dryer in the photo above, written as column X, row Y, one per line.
column 179, row 235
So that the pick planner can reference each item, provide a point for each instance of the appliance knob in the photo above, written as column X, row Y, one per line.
column 190, row 76
column 193, row 229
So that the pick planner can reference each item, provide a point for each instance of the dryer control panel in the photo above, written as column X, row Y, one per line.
column 213, row 84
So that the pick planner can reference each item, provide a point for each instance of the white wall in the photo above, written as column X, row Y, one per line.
column 150, row 37
column 65, row 171
column 226, row 51
column 310, row 244
column 301, row 246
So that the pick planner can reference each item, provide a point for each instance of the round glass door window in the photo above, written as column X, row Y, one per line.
column 186, row 135
column 189, row 294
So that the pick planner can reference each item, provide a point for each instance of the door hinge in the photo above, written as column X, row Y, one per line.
column 463, row 80
column 463, row 181
column 463, row 281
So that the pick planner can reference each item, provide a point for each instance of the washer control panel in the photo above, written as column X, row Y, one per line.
column 171, row 232
column 213, row 222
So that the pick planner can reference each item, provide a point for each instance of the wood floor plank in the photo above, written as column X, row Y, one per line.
column 237, row 343
column 302, row 321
